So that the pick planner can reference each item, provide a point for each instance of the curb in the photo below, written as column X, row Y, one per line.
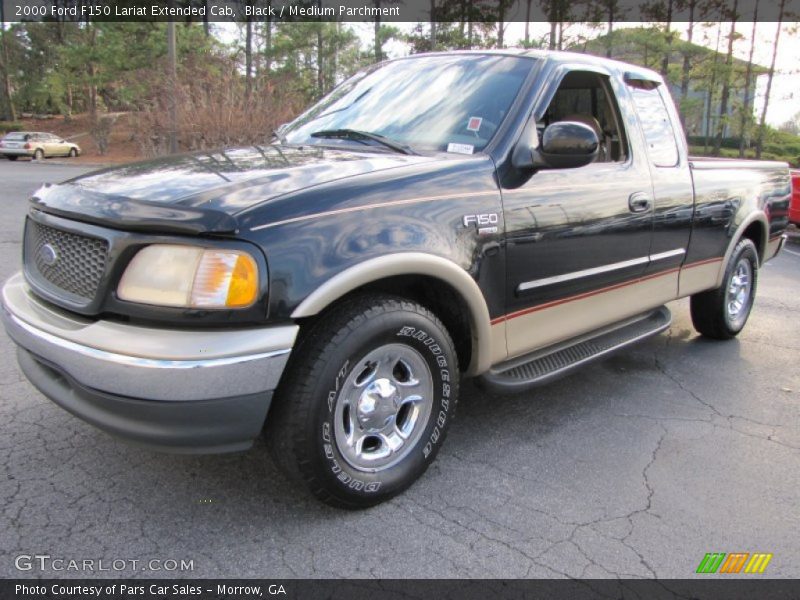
column 63, row 163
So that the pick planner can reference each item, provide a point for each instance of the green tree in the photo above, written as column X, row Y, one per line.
column 746, row 110
column 315, row 56
column 10, row 53
column 727, row 74
column 771, row 75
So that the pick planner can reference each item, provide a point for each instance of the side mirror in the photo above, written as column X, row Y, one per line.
column 569, row 144
column 565, row 145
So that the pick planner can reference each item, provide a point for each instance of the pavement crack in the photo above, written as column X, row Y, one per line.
column 663, row 370
column 728, row 419
column 648, row 502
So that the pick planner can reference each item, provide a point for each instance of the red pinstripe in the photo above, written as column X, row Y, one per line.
column 581, row 296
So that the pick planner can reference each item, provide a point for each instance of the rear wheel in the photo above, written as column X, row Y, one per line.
column 722, row 313
column 366, row 401
column 11, row 157
column 39, row 154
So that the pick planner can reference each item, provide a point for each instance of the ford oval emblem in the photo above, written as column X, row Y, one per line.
column 48, row 255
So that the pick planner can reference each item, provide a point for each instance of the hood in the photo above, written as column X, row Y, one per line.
column 202, row 192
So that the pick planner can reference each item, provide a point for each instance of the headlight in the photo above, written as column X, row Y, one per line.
column 172, row 275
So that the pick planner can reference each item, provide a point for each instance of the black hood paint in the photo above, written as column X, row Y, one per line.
column 203, row 192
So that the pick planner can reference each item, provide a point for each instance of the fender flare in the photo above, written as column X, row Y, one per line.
column 411, row 263
column 754, row 217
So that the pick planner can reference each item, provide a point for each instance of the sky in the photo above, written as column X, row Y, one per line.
column 785, row 97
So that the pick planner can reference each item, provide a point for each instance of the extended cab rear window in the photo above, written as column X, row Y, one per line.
column 657, row 127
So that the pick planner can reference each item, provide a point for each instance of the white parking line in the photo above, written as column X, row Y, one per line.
column 791, row 252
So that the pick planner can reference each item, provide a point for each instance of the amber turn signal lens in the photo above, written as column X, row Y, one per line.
column 243, row 288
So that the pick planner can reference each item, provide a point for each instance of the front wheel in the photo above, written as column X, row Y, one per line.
column 11, row 157
column 722, row 313
column 73, row 153
column 366, row 401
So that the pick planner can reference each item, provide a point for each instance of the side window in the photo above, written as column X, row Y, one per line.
column 657, row 127
column 587, row 97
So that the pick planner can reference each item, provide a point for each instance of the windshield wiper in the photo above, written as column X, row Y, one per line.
column 359, row 136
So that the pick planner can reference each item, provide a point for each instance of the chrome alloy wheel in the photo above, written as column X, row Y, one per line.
column 383, row 407
column 738, row 295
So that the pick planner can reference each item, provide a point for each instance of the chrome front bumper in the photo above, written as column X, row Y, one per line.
column 170, row 388
column 147, row 362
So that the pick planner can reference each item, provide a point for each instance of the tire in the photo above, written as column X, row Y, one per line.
column 335, row 425
column 38, row 154
column 11, row 157
column 722, row 313
column 73, row 153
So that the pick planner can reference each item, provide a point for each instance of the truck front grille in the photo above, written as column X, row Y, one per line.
column 63, row 260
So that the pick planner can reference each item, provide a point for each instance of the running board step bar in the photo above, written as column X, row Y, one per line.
column 544, row 366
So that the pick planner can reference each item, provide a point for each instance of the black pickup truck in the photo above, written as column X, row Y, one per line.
column 501, row 215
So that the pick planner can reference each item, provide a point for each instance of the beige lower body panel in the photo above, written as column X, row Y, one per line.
column 699, row 276
column 499, row 342
column 557, row 321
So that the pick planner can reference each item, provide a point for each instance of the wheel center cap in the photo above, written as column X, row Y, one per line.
column 377, row 405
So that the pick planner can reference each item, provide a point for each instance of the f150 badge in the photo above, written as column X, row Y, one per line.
column 485, row 222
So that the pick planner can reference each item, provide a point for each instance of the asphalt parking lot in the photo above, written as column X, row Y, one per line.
column 634, row 467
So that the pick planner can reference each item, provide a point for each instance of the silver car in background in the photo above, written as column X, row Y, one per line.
column 36, row 145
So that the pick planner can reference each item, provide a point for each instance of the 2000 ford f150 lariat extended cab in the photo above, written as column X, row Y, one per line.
column 507, row 216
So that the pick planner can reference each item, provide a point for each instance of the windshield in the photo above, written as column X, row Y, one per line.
column 448, row 103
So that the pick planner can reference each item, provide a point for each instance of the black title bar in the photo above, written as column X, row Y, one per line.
column 506, row 11
column 732, row 588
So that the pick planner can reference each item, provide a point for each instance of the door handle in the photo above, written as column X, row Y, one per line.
column 639, row 202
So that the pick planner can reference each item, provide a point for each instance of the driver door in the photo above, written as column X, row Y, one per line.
column 576, row 238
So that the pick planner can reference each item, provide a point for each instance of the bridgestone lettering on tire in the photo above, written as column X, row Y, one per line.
column 723, row 312
column 366, row 401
